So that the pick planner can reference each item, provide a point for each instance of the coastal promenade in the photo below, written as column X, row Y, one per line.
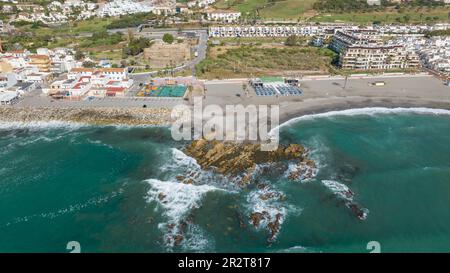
column 325, row 94
column 320, row 94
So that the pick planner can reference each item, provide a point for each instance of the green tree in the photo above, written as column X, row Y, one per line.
column 88, row 64
column 168, row 38
column 291, row 40
column 79, row 55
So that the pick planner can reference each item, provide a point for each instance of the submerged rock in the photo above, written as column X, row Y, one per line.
column 247, row 166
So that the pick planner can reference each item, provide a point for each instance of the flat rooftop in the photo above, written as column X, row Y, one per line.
column 6, row 96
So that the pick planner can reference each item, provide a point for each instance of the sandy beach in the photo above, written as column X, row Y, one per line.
column 328, row 94
column 319, row 95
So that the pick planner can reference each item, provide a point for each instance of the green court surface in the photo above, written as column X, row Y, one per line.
column 171, row 91
column 268, row 79
column 177, row 91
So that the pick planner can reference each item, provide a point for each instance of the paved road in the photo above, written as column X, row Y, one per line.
column 39, row 100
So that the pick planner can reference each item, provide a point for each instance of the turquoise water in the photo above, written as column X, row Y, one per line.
column 99, row 186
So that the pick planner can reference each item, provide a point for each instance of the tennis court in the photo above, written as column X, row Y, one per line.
column 176, row 91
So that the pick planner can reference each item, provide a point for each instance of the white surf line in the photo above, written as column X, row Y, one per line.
column 366, row 111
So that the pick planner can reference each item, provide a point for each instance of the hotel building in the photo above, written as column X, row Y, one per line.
column 363, row 51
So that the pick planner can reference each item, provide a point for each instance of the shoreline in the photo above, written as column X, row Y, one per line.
column 310, row 108
column 319, row 96
column 135, row 117
column 87, row 116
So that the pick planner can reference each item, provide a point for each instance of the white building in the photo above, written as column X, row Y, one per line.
column 373, row 2
column 200, row 3
column 365, row 51
column 124, row 7
column 8, row 97
column 277, row 31
column 226, row 16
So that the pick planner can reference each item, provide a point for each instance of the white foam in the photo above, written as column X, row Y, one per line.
column 366, row 111
column 196, row 240
column 341, row 190
column 61, row 124
column 40, row 125
column 99, row 143
column 179, row 198
column 184, row 160
column 182, row 165
column 70, row 209
column 272, row 206
column 294, row 249
column 132, row 126
column 307, row 173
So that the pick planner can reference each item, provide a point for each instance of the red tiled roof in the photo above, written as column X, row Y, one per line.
column 115, row 89
column 81, row 69
column 37, row 56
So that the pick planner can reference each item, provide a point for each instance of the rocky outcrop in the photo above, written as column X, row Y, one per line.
column 245, row 164
column 232, row 159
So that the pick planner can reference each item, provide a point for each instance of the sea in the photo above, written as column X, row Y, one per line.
column 102, row 187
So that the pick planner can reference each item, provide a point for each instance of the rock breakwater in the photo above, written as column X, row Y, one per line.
column 93, row 115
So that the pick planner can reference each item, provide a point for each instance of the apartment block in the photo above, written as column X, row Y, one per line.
column 362, row 52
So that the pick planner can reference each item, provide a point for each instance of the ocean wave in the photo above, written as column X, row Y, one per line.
column 339, row 189
column 197, row 240
column 183, row 168
column 132, row 126
column 178, row 163
column 61, row 124
column 40, row 125
column 366, row 111
column 182, row 159
column 295, row 249
column 99, row 143
column 344, row 193
column 70, row 209
column 268, row 210
column 177, row 201
column 318, row 151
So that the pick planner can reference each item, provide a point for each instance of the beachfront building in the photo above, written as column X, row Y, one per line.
column 23, row 87
column 365, row 52
column 22, row 67
column 42, row 62
column 107, row 73
column 435, row 53
column 82, row 82
column 8, row 97
column 226, row 16
column 7, row 80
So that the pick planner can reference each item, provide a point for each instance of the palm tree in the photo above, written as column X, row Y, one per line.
column 190, row 90
column 244, row 87
column 345, row 74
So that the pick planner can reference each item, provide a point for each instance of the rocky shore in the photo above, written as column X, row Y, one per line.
column 234, row 159
column 94, row 116
column 247, row 166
